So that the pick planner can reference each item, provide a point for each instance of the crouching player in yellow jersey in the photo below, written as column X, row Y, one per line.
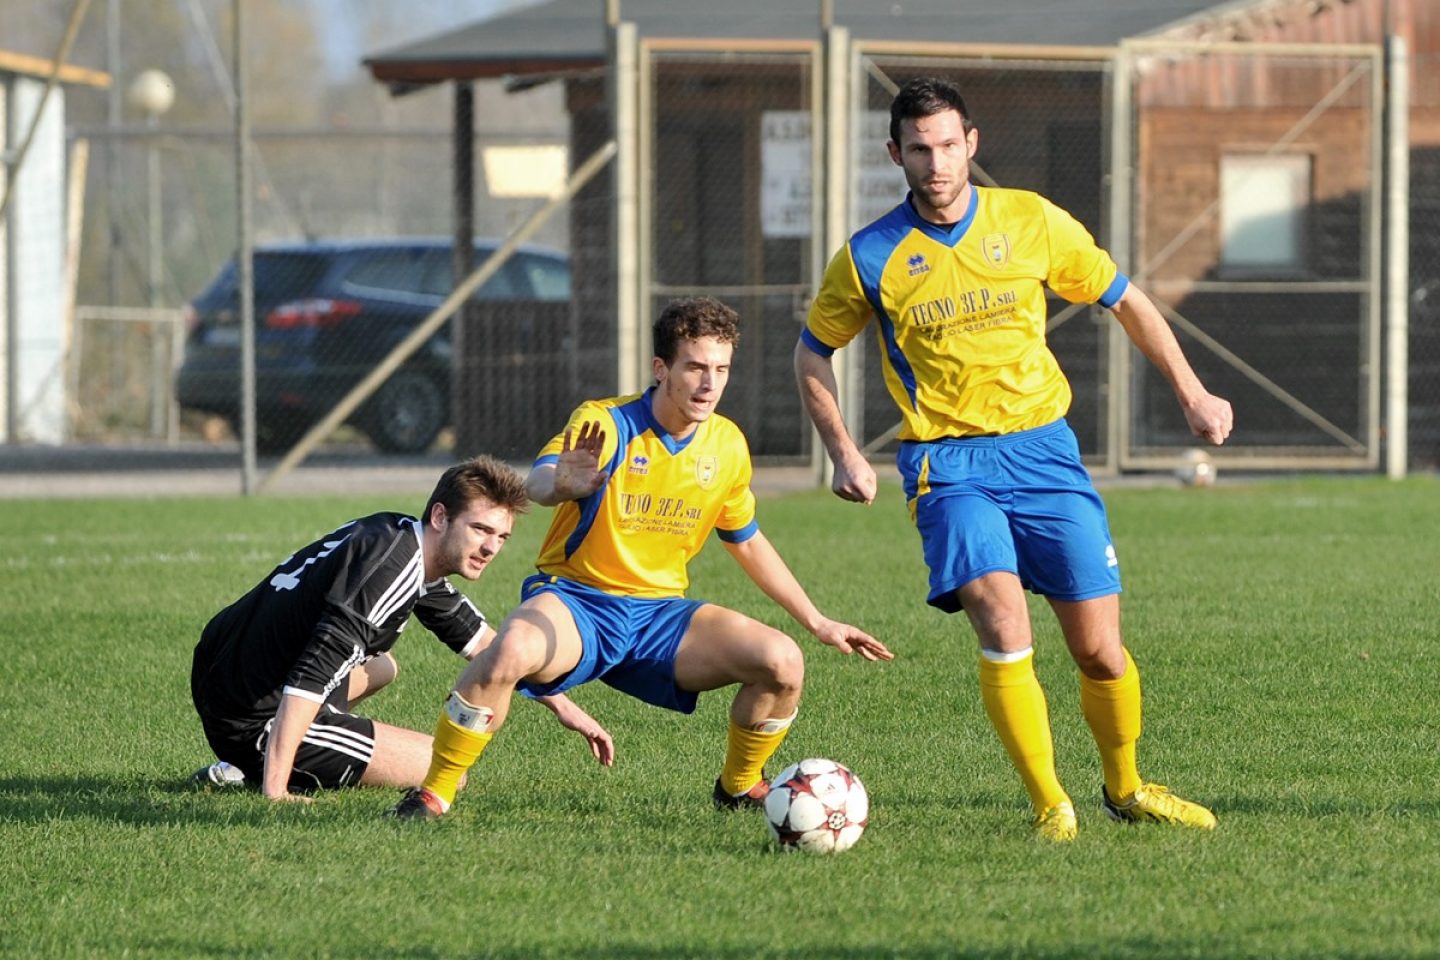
column 954, row 278
column 639, row 482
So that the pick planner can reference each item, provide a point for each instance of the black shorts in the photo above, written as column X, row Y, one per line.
column 334, row 752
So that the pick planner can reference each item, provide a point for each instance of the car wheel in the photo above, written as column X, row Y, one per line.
column 407, row 413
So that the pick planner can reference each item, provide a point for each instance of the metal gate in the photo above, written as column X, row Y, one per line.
column 724, row 208
column 1255, row 214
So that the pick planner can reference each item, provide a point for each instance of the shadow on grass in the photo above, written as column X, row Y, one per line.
column 137, row 801
column 1332, row 806
column 157, row 801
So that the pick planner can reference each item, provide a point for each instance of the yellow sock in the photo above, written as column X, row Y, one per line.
column 456, row 747
column 1017, row 710
column 746, row 751
column 1112, row 708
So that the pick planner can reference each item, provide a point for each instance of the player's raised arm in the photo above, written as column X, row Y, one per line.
column 763, row 564
column 815, row 375
column 575, row 474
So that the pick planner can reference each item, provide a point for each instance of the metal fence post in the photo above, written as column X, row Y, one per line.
column 832, row 185
column 632, row 350
column 244, row 256
column 1397, row 263
column 463, row 256
column 1122, row 117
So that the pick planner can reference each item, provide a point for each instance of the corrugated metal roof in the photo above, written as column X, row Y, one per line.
column 560, row 34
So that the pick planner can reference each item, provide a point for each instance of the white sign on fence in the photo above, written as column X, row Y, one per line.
column 785, row 187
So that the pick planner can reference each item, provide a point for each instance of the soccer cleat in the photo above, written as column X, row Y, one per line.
column 1154, row 803
column 754, row 797
column 1057, row 823
column 218, row 775
column 417, row 804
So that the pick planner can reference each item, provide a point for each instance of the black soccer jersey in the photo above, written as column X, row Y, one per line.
column 321, row 613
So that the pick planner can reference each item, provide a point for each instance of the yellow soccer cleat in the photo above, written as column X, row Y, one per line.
column 1057, row 823
column 1154, row 803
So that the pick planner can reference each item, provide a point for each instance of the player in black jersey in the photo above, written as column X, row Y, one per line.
column 276, row 673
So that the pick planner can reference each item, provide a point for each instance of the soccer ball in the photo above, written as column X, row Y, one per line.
column 818, row 806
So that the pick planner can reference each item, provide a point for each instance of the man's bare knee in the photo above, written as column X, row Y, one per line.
column 514, row 655
column 784, row 665
column 996, row 608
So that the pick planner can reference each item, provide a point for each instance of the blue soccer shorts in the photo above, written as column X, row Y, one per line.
column 628, row 643
column 1021, row 503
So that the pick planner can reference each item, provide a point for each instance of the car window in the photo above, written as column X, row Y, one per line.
column 399, row 270
column 278, row 276
column 549, row 276
column 506, row 284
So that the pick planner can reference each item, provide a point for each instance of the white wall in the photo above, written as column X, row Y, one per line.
column 32, row 302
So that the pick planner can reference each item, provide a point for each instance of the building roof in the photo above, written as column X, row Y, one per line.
column 558, row 35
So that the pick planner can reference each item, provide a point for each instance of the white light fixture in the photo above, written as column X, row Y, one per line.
column 152, row 92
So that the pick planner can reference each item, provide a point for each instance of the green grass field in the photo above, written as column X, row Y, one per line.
column 1286, row 632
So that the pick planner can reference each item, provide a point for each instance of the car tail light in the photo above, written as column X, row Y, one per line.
column 311, row 313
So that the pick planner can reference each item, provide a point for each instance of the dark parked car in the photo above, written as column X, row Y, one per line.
column 325, row 314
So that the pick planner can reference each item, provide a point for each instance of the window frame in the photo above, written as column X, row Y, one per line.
column 1300, row 167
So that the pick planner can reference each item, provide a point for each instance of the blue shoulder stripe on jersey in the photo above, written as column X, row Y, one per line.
column 1115, row 291
column 741, row 535
column 870, row 249
column 815, row 344
column 549, row 458
column 636, row 417
column 625, row 419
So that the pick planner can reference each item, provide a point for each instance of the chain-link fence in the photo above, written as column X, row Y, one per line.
column 1424, row 204
column 353, row 250
column 1240, row 187
column 1257, row 231
column 355, row 207
column 728, row 214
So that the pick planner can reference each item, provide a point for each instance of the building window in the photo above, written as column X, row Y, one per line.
column 1263, row 204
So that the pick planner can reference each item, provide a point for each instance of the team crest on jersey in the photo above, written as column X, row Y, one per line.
column 640, row 464
column 705, row 470
column 997, row 249
column 917, row 265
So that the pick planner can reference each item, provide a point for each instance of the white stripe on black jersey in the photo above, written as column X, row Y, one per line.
column 406, row 588
column 328, row 607
column 341, row 675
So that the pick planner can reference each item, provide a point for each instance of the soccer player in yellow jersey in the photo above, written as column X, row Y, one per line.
column 954, row 279
column 638, row 484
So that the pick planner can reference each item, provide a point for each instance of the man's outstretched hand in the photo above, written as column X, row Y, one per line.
column 577, row 470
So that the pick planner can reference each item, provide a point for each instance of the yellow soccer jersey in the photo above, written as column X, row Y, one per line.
column 960, row 310
column 636, row 535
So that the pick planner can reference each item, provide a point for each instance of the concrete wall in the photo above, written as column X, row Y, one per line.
column 32, row 307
